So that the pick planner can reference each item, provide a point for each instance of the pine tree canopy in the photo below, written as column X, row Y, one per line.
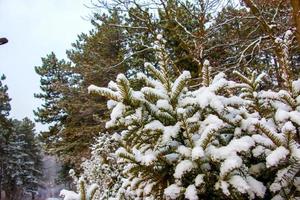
column 205, row 102
column 20, row 161
column 224, row 140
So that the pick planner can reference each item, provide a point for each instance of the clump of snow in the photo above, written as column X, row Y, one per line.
column 69, row 195
column 172, row 157
column 197, row 153
column 121, row 77
column 173, row 191
column 235, row 146
column 260, row 77
column 148, row 188
column 275, row 156
column 239, row 183
column 185, row 151
column 191, row 193
column 170, row 131
column 229, row 164
column 223, row 185
column 117, row 112
column 113, row 85
column 257, row 187
column 278, row 40
column 199, row 179
column 182, row 168
column 159, row 37
column 288, row 127
column 206, row 62
column 154, row 125
column 237, row 131
column 281, row 115
column 287, row 35
column 149, row 158
column 295, row 117
column 263, row 140
column 111, row 104
column 258, row 151
column 249, row 123
column 296, row 86
column 163, row 104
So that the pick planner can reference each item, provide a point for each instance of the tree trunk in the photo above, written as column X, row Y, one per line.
column 296, row 17
column 32, row 196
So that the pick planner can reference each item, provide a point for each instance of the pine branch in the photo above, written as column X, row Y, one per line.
column 206, row 73
column 108, row 93
column 82, row 189
column 275, row 139
column 179, row 85
column 156, row 73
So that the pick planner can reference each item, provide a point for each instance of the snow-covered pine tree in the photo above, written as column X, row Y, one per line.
column 276, row 135
column 33, row 158
column 22, row 164
column 225, row 140
column 103, row 168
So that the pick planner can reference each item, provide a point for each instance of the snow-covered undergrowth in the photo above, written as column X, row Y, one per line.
column 224, row 140
column 85, row 192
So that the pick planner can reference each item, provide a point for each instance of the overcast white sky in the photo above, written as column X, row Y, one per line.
column 34, row 28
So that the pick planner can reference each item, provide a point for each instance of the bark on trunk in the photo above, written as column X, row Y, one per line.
column 296, row 17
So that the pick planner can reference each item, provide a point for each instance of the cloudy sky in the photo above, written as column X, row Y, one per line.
column 34, row 28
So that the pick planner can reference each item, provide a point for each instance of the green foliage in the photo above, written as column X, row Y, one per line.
column 224, row 139
column 54, row 81
column 75, row 117
column 20, row 161
column 162, row 40
column 4, row 102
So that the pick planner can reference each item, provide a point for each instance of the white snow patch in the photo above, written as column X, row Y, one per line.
column 170, row 131
column 256, row 186
column 281, row 115
column 191, row 193
column 69, row 195
column 173, row 191
column 229, row 164
column 199, row 179
column 185, row 151
column 296, row 86
column 275, row 156
column 295, row 117
column 239, row 183
column 197, row 153
column 154, row 125
column 182, row 168
column 163, row 104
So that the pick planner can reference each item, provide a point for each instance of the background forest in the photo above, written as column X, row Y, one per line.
column 205, row 106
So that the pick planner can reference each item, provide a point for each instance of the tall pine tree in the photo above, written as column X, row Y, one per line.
column 5, row 127
column 76, row 117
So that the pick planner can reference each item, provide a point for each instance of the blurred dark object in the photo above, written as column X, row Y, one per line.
column 3, row 41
